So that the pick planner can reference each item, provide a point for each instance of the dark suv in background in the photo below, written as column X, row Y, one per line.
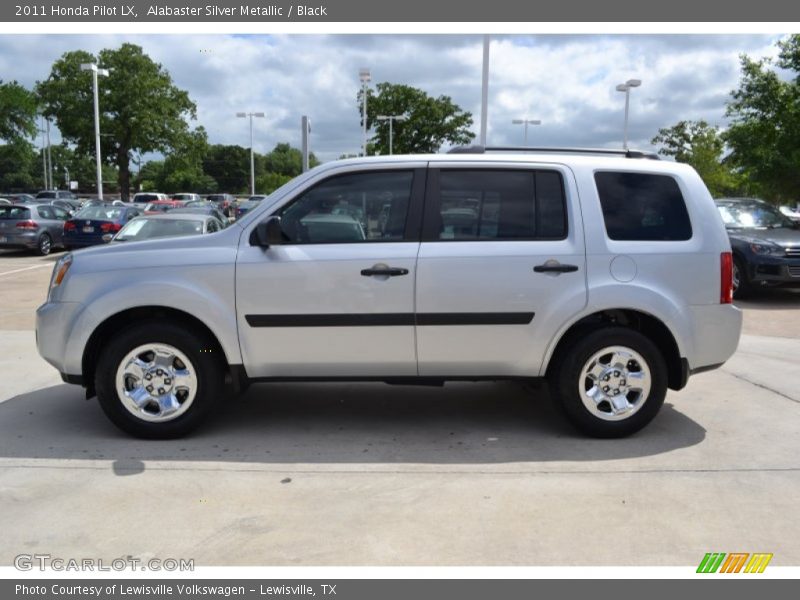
column 765, row 243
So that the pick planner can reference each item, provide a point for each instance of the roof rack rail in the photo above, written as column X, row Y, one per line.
column 478, row 149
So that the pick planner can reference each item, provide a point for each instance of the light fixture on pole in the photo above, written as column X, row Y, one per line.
column 626, row 87
column 243, row 115
column 526, row 122
column 96, row 71
column 365, row 77
column 391, row 119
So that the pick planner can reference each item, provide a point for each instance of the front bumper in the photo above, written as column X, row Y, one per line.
column 54, row 323
column 774, row 270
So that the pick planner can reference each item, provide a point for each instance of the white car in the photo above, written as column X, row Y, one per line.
column 607, row 276
column 794, row 215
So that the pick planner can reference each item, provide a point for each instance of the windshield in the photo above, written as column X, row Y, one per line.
column 751, row 214
column 105, row 213
column 157, row 206
column 46, row 195
column 146, row 229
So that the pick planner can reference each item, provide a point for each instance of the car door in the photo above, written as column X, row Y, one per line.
column 48, row 221
column 336, row 299
column 501, row 266
column 61, row 215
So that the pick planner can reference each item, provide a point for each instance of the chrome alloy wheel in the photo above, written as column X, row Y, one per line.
column 735, row 277
column 614, row 383
column 156, row 382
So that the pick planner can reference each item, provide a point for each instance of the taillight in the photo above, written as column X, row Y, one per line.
column 726, row 278
column 70, row 226
column 27, row 225
column 109, row 227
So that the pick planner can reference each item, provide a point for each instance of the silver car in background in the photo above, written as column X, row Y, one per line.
column 37, row 227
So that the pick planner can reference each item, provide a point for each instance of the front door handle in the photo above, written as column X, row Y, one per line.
column 549, row 267
column 384, row 271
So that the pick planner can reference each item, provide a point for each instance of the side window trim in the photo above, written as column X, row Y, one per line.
column 433, row 203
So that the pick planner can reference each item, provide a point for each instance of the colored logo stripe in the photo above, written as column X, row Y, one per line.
column 758, row 562
column 734, row 562
column 711, row 562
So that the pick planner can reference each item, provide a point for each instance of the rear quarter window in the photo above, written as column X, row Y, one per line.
column 642, row 207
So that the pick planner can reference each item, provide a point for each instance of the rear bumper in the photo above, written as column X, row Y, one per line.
column 716, row 330
column 27, row 239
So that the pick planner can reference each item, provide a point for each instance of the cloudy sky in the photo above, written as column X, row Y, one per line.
column 567, row 81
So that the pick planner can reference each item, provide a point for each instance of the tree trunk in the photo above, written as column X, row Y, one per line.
column 124, row 176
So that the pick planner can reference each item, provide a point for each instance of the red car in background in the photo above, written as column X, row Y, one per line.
column 162, row 206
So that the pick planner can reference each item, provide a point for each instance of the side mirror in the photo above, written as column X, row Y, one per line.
column 269, row 232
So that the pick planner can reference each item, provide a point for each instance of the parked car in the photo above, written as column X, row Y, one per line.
column 766, row 245
column 244, row 207
column 226, row 203
column 71, row 206
column 788, row 211
column 608, row 277
column 18, row 198
column 147, row 197
column 150, row 227
column 202, row 208
column 96, row 224
column 38, row 227
column 56, row 195
column 5, row 201
column 162, row 206
column 185, row 197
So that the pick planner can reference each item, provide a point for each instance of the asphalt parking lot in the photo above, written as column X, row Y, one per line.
column 369, row 474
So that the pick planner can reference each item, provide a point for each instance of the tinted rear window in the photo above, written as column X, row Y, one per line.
column 643, row 207
column 8, row 213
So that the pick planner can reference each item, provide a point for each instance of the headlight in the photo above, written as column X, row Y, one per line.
column 766, row 248
column 59, row 273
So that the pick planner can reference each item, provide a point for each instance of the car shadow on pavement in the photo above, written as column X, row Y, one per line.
column 470, row 423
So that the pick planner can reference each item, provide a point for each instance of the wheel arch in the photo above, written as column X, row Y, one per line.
column 647, row 324
column 118, row 321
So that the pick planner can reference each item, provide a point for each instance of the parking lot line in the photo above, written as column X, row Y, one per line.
column 25, row 269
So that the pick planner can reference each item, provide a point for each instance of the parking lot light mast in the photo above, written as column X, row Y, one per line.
column 391, row 119
column 526, row 122
column 96, row 71
column 242, row 115
column 365, row 77
column 626, row 87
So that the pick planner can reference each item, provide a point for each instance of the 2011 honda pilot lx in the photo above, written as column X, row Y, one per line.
column 610, row 276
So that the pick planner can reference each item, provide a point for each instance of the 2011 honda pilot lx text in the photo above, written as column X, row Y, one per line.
column 610, row 276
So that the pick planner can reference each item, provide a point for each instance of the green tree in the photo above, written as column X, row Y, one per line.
column 431, row 122
column 19, row 169
column 17, row 112
column 141, row 110
column 229, row 166
column 702, row 146
column 183, row 169
column 764, row 135
column 285, row 160
column 269, row 182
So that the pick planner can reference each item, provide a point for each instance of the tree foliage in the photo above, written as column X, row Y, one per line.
column 17, row 112
column 141, row 109
column 702, row 146
column 764, row 135
column 432, row 122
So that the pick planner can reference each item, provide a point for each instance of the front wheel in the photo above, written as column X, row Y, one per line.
column 610, row 383
column 157, row 380
column 742, row 286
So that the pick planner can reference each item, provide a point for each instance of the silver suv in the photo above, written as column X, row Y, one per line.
column 608, row 276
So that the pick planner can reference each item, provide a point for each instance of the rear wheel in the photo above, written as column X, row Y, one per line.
column 157, row 380
column 742, row 286
column 44, row 245
column 610, row 383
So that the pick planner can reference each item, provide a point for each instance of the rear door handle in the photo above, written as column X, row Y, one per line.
column 555, row 268
column 385, row 271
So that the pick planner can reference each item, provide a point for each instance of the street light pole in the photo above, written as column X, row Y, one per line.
column 626, row 87
column 526, row 122
column 242, row 115
column 95, row 72
column 365, row 77
column 391, row 119
column 485, row 91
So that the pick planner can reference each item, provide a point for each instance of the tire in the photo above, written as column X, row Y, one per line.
column 44, row 245
column 620, row 354
column 742, row 286
column 189, row 367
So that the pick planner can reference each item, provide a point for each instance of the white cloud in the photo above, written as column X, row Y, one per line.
column 566, row 81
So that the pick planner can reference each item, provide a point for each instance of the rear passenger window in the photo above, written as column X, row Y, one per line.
column 499, row 205
column 45, row 212
column 642, row 207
